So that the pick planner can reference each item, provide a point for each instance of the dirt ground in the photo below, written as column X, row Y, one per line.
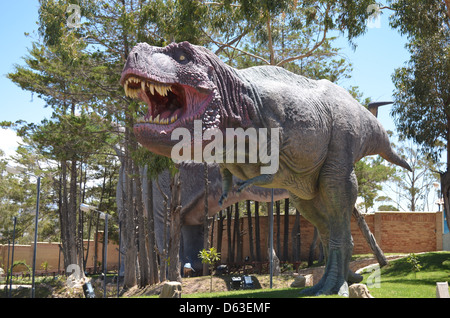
column 201, row 284
column 222, row 283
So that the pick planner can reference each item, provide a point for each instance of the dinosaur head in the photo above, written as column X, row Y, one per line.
column 181, row 83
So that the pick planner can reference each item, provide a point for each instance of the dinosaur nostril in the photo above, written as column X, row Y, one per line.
column 136, row 56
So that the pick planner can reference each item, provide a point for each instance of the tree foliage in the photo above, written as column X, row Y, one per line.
column 422, row 95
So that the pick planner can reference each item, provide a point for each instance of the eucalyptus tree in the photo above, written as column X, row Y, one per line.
column 413, row 188
column 422, row 95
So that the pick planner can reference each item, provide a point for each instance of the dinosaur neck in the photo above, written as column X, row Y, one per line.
column 239, row 108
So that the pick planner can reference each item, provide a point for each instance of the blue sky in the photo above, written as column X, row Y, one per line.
column 379, row 52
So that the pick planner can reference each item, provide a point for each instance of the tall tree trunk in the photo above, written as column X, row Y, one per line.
column 445, row 176
column 220, row 231
column 250, row 231
column 238, row 233
column 205, row 268
column 295, row 236
column 153, row 261
column 175, row 232
column 77, row 198
column 163, row 251
column 229, row 235
column 69, row 217
column 445, row 191
column 286, row 231
column 144, row 272
column 63, row 215
column 257, row 233
column 129, row 215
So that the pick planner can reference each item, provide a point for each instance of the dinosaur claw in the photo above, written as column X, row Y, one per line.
column 241, row 186
column 222, row 199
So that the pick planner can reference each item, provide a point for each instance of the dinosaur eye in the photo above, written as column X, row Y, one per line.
column 181, row 57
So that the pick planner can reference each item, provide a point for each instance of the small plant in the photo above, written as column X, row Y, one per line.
column 415, row 264
column 210, row 257
column 45, row 266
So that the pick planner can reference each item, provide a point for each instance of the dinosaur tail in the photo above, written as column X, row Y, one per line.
column 390, row 155
column 387, row 152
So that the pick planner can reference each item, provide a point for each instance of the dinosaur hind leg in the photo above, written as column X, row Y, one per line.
column 330, row 211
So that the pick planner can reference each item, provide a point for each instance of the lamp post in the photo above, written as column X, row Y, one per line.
column 17, row 170
column 87, row 208
column 12, row 257
column 271, row 240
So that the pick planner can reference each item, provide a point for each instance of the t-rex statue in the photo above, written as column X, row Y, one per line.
column 323, row 132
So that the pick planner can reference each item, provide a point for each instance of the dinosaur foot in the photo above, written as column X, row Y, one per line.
column 354, row 278
column 333, row 280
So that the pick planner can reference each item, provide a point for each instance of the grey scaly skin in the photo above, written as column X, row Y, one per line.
column 323, row 132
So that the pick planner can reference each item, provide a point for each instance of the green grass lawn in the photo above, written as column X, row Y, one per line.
column 397, row 280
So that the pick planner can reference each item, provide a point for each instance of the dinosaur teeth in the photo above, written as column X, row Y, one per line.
column 133, row 86
column 158, row 120
column 161, row 89
column 151, row 88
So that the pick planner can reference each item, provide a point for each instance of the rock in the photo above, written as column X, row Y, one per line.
column 303, row 281
column 359, row 291
column 171, row 290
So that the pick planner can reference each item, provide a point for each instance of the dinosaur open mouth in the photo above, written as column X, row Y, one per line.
column 169, row 105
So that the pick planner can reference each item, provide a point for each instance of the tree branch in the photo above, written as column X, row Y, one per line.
column 235, row 48
column 269, row 34
column 232, row 42
column 315, row 47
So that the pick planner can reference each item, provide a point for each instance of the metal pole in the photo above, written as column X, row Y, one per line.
column 7, row 266
column 271, row 239
column 35, row 236
column 106, row 255
column 12, row 257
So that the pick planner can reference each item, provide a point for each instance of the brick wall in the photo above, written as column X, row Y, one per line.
column 409, row 232
column 395, row 232
column 49, row 252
